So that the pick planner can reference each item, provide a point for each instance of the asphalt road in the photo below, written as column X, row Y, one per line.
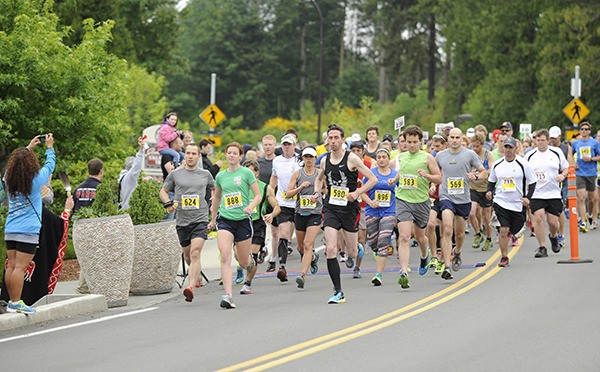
column 535, row 315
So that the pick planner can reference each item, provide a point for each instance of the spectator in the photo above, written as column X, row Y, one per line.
column 85, row 193
column 128, row 178
column 168, row 133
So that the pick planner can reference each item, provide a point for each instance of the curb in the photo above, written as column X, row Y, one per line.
column 55, row 307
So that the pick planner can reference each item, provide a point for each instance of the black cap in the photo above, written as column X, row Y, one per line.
column 388, row 137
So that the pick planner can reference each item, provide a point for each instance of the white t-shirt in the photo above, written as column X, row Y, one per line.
column 283, row 168
column 511, row 179
column 546, row 166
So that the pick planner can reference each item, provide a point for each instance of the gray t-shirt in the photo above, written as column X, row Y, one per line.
column 190, row 189
column 266, row 168
column 455, row 166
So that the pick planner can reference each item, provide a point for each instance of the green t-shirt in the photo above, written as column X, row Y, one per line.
column 263, row 191
column 236, row 192
column 412, row 188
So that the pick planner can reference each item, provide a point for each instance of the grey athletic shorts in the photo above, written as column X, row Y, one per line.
column 417, row 213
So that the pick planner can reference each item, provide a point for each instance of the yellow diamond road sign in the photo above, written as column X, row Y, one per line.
column 215, row 140
column 212, row 115
column 576, row 111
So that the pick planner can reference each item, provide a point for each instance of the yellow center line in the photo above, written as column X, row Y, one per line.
column 321, row 343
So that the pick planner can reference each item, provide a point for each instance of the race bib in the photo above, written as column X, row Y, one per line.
column 508, row 184
column 307, row 203
column 541, row 176
column 191, row 201
column 233, row 200
column 284, row 194
column 456, row 185
column 409, row 182
column 384, row 197
column 585, row 151
column 338, row 195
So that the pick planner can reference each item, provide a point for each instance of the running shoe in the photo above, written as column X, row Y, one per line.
column 227, row 302
column 594, row 225
column 477, row 241
column 447, row 275
column 439, row 267
column 566, row 212
column 561, row 241
column 390, row 250
column 343, row 257
column 300, row 281
column 456, row 262
column 554, row 242
column 282, row 274
column 403, row 280
column 189, row 294
column 246, row 289
column 349, row 262
column 262, row 254
column 239, row 277
column 361, row 251
column 377, row 280
column 583, row 227
column 19, row 307
column 541, row 252
column 503, row 262
column 423, row 265
column 515, row 241
column 433, row 262
column 357, row 274
column 271, row 267
column 290, row 250
column 522, row 232
column 532, row 233
column 487, row 245
column 414, row 243
column 337, row 298
column 468, row 229
column 314, row 268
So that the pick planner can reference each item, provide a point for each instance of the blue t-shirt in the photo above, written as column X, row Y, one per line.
column 384, row 193
column 589, row 147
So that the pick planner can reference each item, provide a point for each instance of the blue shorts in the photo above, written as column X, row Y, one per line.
column 241, row 230
column 461, row 210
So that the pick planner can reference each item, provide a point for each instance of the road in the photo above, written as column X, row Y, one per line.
column 534, row 315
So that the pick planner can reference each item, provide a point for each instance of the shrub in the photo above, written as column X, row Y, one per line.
column 145, row 206
column 103, row 206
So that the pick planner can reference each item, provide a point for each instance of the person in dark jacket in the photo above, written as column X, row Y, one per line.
column 205, row 149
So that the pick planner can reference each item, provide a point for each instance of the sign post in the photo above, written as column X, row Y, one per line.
column 212, row 115
column 576, row 111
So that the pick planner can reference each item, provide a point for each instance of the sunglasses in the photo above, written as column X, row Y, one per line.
column 584, row 129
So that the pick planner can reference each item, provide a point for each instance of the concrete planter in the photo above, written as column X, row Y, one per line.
column 104, row 248
column 156, row 258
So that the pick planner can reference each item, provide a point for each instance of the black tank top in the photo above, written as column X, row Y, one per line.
column 340, row 175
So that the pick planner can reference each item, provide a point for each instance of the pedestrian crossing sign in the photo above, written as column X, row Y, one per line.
column 576, row 111
column 212, row 115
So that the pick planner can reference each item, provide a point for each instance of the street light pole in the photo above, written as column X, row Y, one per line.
column 320, row 89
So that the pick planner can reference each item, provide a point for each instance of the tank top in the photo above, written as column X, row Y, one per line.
column 260, row 209
column 304, row 204
column 340, row 182
column 412, row 188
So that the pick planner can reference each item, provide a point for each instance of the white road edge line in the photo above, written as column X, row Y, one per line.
column 78, row 324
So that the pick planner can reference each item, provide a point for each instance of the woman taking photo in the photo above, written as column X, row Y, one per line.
column 24, row 182
column 235, row 196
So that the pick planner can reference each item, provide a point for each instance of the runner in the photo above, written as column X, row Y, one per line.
column 339, row 172
column 417, row 170
column 372, row 136
column 265, row 164
column 283, row 167
column 232, row 205
column 457, row 164
column 359, row 149
column 189, row 185
column 260, row 218
column 381, row 212
column 587, row 150
column 481, row 208
column 551, row 168
column 435, row 214
column 307, row 217
column 509, row 178
column 555, row 141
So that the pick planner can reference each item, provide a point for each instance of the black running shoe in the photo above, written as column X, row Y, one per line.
column 503, row 262
column 554, row 242
column 282, row 274
column 271, row 267
column 541, row 252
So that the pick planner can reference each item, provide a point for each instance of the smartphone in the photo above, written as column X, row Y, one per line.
column 42, row 137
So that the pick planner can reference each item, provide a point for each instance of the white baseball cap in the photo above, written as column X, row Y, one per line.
column 554, row 132
column 288, row 138
column 470, row 132
column 309, row 151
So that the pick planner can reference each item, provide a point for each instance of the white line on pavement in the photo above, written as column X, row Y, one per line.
column 78, row 324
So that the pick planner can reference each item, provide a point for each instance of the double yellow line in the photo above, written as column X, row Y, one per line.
column 318, row 344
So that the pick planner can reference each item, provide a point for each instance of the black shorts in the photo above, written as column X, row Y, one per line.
column 479, row 198
column 345, row 218
column 462, row 210
column 304, row 222
column 260, row 232
column 437, row 208
column 286, row 215
column 552, row 206
column 586, row 182
column 511, row 219
column 241, row 230
column 189, row 232
column 28, row 248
